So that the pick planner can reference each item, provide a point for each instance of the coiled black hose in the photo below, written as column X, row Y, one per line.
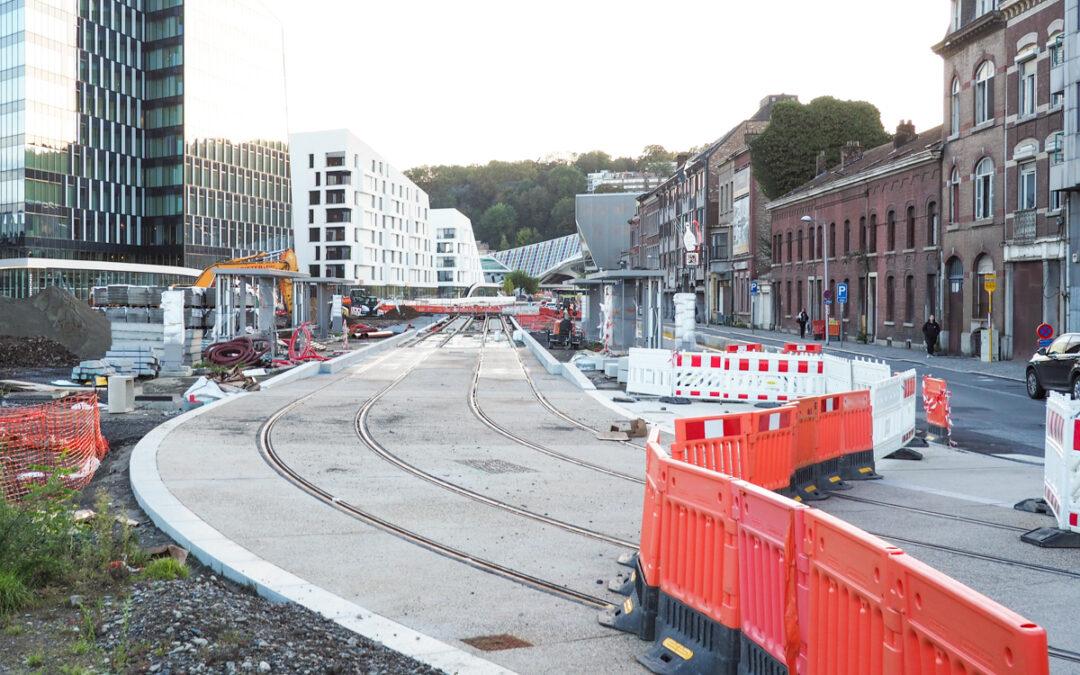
column 241, row 351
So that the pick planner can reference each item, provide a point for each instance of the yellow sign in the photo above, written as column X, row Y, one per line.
column 684, row 653
column 989, row 283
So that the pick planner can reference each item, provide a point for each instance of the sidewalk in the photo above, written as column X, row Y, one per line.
column 1012, row 370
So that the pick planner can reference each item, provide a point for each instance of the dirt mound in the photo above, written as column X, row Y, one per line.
column 59, row 316
column 34, row 352
column 402, row 313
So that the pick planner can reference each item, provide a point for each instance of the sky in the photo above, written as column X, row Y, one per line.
column 468, row 81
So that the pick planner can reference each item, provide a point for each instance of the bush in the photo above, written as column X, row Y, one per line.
column 165, row 569
column 37, row 535
column 14, row 595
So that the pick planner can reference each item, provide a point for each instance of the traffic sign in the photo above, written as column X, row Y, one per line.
column 1045, row 331
column 841, row 293
column 990, row 283
column 754, row 290
column 827, row 294
column 692, row 259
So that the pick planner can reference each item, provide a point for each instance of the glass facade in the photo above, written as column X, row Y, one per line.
column 142, row 131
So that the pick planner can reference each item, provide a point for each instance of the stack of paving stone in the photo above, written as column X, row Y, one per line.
column 138, row 362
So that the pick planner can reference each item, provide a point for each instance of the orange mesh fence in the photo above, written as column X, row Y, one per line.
column 535, row 322
column 62, row 438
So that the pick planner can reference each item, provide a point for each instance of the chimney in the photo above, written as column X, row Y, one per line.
column 850, row 153
column 821, row 166
column 905, row 133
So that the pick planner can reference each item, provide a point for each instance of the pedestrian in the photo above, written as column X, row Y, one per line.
column 931, row 330
column 802, row 318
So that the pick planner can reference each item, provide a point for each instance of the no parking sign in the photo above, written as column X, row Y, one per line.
column 1045, row 333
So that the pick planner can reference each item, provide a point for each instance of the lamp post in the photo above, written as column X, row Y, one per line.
column 825, row 258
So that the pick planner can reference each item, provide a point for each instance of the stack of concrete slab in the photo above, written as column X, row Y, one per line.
column 138, row 362
column 151, row 336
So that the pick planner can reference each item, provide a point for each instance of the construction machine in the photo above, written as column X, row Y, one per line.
column 359, row 303
column 284, row 259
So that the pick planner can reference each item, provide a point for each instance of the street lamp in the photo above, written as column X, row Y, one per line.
column 825, row 258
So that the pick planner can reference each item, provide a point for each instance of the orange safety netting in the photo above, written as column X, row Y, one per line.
column 62, row 438
column 535, row 322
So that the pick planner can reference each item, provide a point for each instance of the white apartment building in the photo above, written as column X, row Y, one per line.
column 357, row 217
column 457, row 258
column 623, row 181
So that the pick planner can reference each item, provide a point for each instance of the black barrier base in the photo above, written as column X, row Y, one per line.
column 827, row 475
column 1037, row 505
column 629, row 559
column 753, row 660
column 623, row 585
column 689, row 643
column 859, row 466
column 636, row 614
column 905, row 453
column 807, row 492
column 1051, row 537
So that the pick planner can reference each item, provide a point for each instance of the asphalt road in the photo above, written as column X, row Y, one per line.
column 991, row 415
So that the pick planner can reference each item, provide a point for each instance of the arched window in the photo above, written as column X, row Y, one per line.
column 800, row 257
column 789, row 238
column 1056, row 45
column 810, row 243
column 890, row 230
column 931, row 224
column 984, row 93
column 890, row 299
column 847, row 237
column 862, row 234
column 820, row 243
column 984, row 189
column 847, row 305
column 1026, row 69
column 955, row 271
column 954, row 108
column 873, row 233
column 909, row 299
column 832, row 240
column 910, row 243
column 954, row 196
column 980, row 305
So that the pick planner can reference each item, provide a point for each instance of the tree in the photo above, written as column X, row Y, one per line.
column 563, row 217
column 498, row 220
column 785, row 154
column 591, row 162
column 526, row 236
column 565, row 181
column 519, row 280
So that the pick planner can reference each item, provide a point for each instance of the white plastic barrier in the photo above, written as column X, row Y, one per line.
column 749, row 376
column 650, row 372
column 837, row 374
column 893, row 404
column 1061, row 475
column 866, row 372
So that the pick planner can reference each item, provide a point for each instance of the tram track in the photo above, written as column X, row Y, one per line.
column 291, row 475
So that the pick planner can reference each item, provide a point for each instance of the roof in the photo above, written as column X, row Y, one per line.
column 602, row 221
column 873, row 161
column 536, row 259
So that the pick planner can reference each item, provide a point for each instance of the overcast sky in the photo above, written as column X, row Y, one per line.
column 467, row 81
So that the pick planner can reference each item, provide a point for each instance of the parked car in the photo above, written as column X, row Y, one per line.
column 1055, row 368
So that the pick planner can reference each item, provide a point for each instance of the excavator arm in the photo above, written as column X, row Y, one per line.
column 279, row 260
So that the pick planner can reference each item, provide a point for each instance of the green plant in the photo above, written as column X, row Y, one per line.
column 14, row 595
column 82, row 646
column 13, row 629
column 35, row 660
column 165, row 569
column 38, row 534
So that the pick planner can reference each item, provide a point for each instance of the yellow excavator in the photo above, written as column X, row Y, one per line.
column 284, row 259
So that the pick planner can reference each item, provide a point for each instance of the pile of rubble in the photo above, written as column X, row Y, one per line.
column 61, row 317
column 33, row 352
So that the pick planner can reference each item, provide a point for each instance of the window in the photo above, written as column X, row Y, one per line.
column 873, row 233
column 862, row 234
column 956, row 14
column 954, row 197
column 311, row 165
column 313, row 270
column 890, row 299
column 313, row 234
column 335, row 196
column 318, row 179
column 847, row 237
column 1057, row 49
column 981, row 305
column 910, row 243
column 847, row 305
column 313, row 197
column 800, row 257
column 984, row 189
column 789, row 306
column 810, row 234
column 909, row 299
column 984, row 93
column 789, row 247
column 1026, row 74
column 890, row 231
column 820, row 243
column 931, row 294
column 310, row 216
column 1025, row 195
column 954, row 108
column 931, row 224
column 335, row 159
column 984, row 6
column 1055, row 146
column 1055, row 200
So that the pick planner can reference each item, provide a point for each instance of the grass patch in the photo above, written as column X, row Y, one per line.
column 165, row 569
column 13, row 630
column 14, row 595
column 35, row 660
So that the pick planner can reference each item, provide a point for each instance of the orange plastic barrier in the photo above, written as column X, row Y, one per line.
column 795, row 348
column 769, row 531
column 849, row 626
column 936, row 404
column 947, row 627
column 759, row 447
column 61, row 437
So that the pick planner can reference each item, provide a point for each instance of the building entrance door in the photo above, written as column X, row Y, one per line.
column 955, row 304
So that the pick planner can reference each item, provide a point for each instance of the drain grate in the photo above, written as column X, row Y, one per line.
column 495, row 466
column 496, row 643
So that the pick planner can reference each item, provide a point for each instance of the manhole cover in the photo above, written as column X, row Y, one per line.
column 495, row 466
column 495, row 643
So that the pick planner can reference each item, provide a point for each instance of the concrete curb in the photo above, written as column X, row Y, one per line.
column 551, row 364
column 234, row 562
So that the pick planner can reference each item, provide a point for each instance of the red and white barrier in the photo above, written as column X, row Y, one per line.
column 893, row 404
column 1061, row 477
column 753, row 376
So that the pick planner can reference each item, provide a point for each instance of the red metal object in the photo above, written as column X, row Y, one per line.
column 936, row 395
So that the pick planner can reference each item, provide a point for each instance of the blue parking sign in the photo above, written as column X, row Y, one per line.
column 754, row 290
column 841, row 293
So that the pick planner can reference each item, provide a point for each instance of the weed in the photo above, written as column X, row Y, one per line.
column 165, row 569
column 35, row 660
column 82, row 646
column 14, row 595
column 13, row 629
column 74, row 670
column 88, row 624
column 121, row 655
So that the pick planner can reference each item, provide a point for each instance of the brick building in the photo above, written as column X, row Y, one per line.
column 1001, row 135
column 876, row 217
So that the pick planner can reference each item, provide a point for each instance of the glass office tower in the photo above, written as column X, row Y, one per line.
column 138, row 135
